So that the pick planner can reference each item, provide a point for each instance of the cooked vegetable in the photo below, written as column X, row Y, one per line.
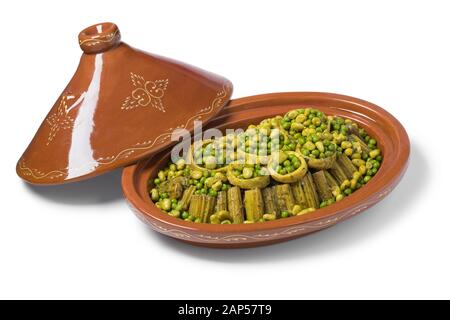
column 299, row 195
column 222, row 204
column 284, row 196
column 187, row 196
column 202, row 207
column 287, row 166
column 312, row 198
column 248, row 176
column 356, row 139
column 332, row 182
column 338, row 173
column 323, row 188
column 347, row 166
column 310, row 128
column 270, row 203
column 208, row 155
column 321, row 164
column 254, row 204
column 220, row 217
column 235, row 206
column 173, row 187
column 284, row 166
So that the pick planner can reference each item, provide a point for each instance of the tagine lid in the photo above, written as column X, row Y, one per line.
column 121, row 105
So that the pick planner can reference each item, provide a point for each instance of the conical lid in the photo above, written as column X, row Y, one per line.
column 121, row 105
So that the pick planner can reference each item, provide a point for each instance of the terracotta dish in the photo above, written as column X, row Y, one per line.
column 121, row 105
column 391, row 136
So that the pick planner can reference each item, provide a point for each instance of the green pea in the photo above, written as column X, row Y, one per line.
column 185, row 215
column 366, row 179
column 164, row 195
column 301, row 140
column 285, row 214
column 348, row 191
column 157, row 181
column 286, row 125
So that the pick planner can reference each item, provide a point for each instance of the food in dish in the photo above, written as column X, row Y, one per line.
column 284, row 166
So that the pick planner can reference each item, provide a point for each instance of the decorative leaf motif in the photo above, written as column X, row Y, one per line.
column 138, row 81
column 146, row 93
column 161, row 84
column 60, row 120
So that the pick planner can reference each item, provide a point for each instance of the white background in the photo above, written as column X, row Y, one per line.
column 82, row 241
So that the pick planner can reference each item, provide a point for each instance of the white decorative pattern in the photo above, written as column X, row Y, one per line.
column 99, row 39
column 59, row 120
column 147, row 93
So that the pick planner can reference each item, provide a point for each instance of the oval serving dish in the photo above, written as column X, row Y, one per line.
column 392, row 138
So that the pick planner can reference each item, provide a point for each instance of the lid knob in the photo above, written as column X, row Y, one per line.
column 99, row 37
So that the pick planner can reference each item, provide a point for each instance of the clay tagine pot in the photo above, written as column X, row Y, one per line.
column 240, row 113
column 121, row 105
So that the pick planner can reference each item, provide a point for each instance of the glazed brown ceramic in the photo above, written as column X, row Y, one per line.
column 239, row 113
column 121, row 105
